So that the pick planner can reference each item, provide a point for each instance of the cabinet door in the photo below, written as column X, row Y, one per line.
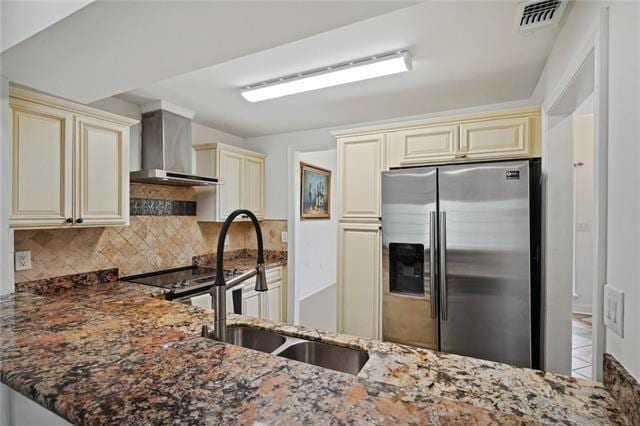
column 359, row 168
column 507, row 137
column 253, row 185
column 230, row 190
column 42, row 166
column 422, row 146
column 273, row 302
column 102, row 167
column 359, row 262
column 252, row 304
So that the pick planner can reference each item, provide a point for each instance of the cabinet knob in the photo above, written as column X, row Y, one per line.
column 69, row 220
column 79, row 220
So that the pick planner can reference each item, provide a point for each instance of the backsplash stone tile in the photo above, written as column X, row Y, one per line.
column 149, row 244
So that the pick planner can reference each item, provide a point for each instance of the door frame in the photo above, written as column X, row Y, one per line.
column 598, row 45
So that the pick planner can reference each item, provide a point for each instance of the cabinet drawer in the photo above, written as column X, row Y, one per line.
column 506, row 137
column 424, row 145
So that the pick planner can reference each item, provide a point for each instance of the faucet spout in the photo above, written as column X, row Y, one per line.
column 220, row 287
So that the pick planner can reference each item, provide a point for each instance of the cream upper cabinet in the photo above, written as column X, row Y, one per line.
column 242, row 175
column 359, row 290
column 42, row 162
column 103, row 159
column 417, row 146
column 508, row 137
column 231, row 189
column 252, row 185
column 360, row 160
column 69, row 163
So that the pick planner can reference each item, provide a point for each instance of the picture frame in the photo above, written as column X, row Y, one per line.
column 315, row 192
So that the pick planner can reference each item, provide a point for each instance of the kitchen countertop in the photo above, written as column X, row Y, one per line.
column 116, row 352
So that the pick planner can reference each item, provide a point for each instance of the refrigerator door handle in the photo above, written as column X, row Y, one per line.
column 443, row 264
column 432, row 262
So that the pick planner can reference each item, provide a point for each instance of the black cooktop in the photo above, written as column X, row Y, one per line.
column 170, row 277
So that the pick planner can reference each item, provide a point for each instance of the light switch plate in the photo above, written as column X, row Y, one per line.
column 23, row 260
column 582, row 227
column 284, row 236
column 614, row 309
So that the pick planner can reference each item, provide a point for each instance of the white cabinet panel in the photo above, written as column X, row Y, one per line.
column 418, row 146
column 252, row 304
column 273, row 302
column 359, row 254
column 253, row 187
column 42, row 149
column 102, row 160
column 231, row 169
column 359, row 167
column 506, row 137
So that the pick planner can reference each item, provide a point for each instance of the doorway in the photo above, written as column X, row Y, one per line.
column 581, row 309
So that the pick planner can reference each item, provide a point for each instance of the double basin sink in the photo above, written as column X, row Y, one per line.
column 333, row 357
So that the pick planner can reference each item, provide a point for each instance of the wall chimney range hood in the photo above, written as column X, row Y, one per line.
column 166, row 151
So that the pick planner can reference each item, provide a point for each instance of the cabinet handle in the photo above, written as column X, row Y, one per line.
column 69, row 220
column 461, row 155
column 79, row 220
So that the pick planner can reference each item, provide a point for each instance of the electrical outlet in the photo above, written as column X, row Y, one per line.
column 284, row 237
column 23, row 260
column 227, row 240
column 614, row 309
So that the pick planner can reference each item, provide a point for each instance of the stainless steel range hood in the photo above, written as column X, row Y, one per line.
column 166, row 151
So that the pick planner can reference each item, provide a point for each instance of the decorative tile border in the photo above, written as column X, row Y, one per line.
column 154, row 207
column 58, row 284
column 624, row 388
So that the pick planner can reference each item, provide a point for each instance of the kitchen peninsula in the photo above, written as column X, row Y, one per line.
column 118, row 352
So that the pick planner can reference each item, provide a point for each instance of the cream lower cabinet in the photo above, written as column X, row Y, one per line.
column 269, row 305
column 70, row 164
column 359, row 273
column 242, row 175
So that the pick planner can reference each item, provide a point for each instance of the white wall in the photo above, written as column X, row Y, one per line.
column 583, row 132
column 315, row 250
column 202, row 134
column 623, row 220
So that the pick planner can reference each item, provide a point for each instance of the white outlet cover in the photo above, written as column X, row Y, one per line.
column 284, row 237
column 227, row 240
column 23, row 260
column 614, row 309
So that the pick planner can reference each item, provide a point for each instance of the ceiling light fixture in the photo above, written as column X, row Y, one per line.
column 347, row 72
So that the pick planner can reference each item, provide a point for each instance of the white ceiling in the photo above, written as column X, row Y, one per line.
column 21, row 18
column 110, row 46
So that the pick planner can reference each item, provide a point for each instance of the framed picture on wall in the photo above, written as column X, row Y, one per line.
column 315, row 192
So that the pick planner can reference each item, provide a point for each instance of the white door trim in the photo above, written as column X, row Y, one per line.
column 598, row 45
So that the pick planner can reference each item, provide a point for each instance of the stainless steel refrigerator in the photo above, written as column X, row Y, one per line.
column 461, row 259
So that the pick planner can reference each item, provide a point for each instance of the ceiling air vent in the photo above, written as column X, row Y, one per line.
column 534, row 15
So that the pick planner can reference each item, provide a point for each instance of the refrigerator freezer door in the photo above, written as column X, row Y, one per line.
column 486, row 287
column 409, row 298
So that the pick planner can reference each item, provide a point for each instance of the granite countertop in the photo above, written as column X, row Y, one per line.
column 116, row 352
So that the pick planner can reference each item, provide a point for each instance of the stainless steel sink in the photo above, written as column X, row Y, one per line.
column 323, row 355
column 337, row 358
column 252, row 338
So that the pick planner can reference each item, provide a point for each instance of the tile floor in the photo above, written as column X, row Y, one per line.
column 581, row 346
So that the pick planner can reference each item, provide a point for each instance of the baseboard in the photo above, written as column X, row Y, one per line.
column 581, row 309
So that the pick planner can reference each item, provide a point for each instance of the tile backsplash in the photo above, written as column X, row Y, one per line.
column 149, row 243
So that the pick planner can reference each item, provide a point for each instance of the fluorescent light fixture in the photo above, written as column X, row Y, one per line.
column 335, row 75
